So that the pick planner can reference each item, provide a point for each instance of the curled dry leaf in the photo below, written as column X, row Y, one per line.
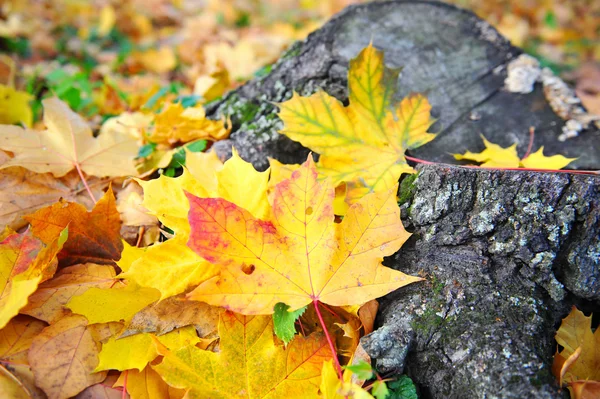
column 67, row 144
column 298, row 255
column 94, row 237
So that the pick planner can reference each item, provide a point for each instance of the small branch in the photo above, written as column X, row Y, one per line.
column 530, row 146
column 329, row 341
column 84, row 181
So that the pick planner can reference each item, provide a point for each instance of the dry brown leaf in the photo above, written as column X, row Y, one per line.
column 367, row 314
column 104, row 390
column 23, row 192
column 63, row 357
column 172, row 313
column 93, row 236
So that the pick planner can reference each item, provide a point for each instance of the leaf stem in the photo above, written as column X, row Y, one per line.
column 85, row 184
column 530, row 146
column 329, row 341
column 124, row 393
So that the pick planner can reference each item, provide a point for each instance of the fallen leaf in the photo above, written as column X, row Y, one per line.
column 23, row 192
column 11, row 387
column 48, row 302
column 136, row 351
column 363, row 143
column 332, row 388
column 298, row 255
column 63, row 357
column 103, row 390
column 147, row 384
column 16, row 338
column 172, row 313
column 178, row 124
column 103, row 305
column 161, row 60
column 93, row 236
column 14, row 106
column 495, row 156
column 249, row 364
column 579, row 360
column 284, row 322
column 538, row 160
column 171, row 266
column 67, row 144
column 367, row 314
column 25, row 261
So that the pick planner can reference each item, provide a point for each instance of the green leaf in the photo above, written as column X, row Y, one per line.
column 550, row 20
column 363, row 370
column 380, row 390
column 196, row 146
column 402, row 388
column 146, row 150
column 154, row 99
column 283, row 321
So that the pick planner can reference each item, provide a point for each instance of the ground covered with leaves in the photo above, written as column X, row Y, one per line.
column 136, row 263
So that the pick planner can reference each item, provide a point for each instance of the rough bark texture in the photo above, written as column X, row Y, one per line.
column 506, row 254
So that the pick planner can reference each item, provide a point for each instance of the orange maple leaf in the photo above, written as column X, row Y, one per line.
column 299, row 255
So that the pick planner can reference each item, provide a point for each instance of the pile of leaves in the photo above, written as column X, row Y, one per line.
column 134, row 262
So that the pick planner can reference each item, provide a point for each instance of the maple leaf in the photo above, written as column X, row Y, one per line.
column 67, row 144
column 48, row 302
column 147, row 384
column 136, row 351
column 333, row 388
column 94, row 236
column 14, row 106
column 172, row 267
column 299, row 255
column 25, row 261
column 363, row 143
column 494, row 156
column 23, row 191
column 63, row 357
column 248, row 364
column 104, row 390
column 578, row 364
column 178, row 124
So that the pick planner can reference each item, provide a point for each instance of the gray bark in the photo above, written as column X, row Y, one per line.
column 506, row 254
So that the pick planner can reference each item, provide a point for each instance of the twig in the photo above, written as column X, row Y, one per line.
column 530, row 146
column 329, row 341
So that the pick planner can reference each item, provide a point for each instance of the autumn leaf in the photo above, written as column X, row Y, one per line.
column 63, row 357
column 14, row 106
column 11, row 387
column 171, row 266
column 25, row 261
column 103, row 305
column 94, row 236
column 16, row 338
column 178, row 124
column 171, row 313
column 495, row 156
column 67, row 144
column 248, row 364
column 333, row 388
column 136, row 351
column 578, row 364
column 298, row 255
column 103, row 390
column 284, row 321
column 48, row 302
column 147, row 384
column 364, row 143
column 23, row 192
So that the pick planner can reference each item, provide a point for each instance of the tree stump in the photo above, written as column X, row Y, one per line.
column 506, row 253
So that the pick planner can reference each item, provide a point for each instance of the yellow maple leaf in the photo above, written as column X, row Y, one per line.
column 136, row 351
column 24, row 262
column 103, row 305
column 363, row 143
column 495, row 156
column 578, row 364
column 171, row 266
column 298, row 255
column 14, row 106
column 178, row 124
column 160, row 60
column 248, row 364
column 67, row 144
